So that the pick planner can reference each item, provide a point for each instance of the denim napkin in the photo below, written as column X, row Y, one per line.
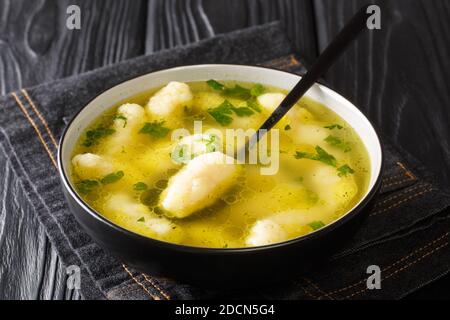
column 406, row 235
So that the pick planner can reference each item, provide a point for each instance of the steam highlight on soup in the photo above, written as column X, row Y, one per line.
column 133, row 167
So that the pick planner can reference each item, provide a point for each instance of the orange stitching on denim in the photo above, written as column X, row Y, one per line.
column 30, row 120
column 140, row 284
column 41, row 117
column 397, row 182
column 403, row 193
column 392, row 265
column 308, row 293
column 402, row 201
column 158, row 288
column 401, row 269
column 318, row 289
column 407, row 171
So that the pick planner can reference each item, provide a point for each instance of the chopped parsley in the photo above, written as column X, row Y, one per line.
column 254, row 105
column 344, row 170
column 141, row 219
column 321, row 155
column 242, row 111
column 215, row 85
column 334, row 126
column 287, row 127
column 338, row 143
column 94, row 135
column 316, row 225
column 86, row 186
column 140, row 186
column 257, row 90
column 222, row 113
column 237, row 91
column 156, row 129
column 112, row 177
column 211, row 142
column 122, row 117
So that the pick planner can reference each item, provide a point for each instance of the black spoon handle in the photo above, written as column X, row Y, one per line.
column 334, row 50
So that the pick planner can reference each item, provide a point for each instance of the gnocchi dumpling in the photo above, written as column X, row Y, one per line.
column 91, row 166
column 170, row 100
column 279, row 227
column 199, row 184
column 123, row 205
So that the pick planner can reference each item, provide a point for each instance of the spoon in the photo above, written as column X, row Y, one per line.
column 325, row 60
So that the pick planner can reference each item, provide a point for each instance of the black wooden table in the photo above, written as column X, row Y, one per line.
column 398, row 76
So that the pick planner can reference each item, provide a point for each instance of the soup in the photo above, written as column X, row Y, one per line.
column 144, row 166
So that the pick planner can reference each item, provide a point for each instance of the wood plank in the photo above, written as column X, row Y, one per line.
column 398, row 77
column 175, row 22
column 35, row 47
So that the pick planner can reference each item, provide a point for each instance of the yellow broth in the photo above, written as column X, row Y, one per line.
column 304, row 195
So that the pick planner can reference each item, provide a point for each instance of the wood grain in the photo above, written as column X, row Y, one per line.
column 174, row 22
column 398, row 75
column 35, row 47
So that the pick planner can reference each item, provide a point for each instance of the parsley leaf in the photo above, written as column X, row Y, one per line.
column 112, row 177
column 287, row 127
column 94, row 135
column 316, row 225
column 141, row 219
column 321, row 156
column 215, row 85
column 122, row 117
column 86, row 186
column 334, row 126
column 242, row 111
column 140, row 186
column 257, row 90
column 344, row 170
column 253, row 104
column 222, row 113
column 338, row 143
column 156, row 129
column 238, row 92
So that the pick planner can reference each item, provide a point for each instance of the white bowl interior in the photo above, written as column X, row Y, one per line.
column 265, row 76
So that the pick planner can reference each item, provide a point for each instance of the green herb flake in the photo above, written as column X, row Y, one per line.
column 321, row 156
column 344, row 170
column 215, row 85
column 122, row 117
column 287, row 127
column 242, row 111
column 338, row 143
column 112, row 177
column 254, row 105
column 93, row 136
column 140, row 186
column 86, row 186
column 238, row 92
column 257, row 90
column 222, row 113
column 141, row 219
column 316, row 225
column 334, row 126
column 156, row 129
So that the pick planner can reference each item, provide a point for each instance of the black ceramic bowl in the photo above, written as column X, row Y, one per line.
column 212, row 267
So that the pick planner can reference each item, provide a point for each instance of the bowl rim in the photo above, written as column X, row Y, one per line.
column 233, row 250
